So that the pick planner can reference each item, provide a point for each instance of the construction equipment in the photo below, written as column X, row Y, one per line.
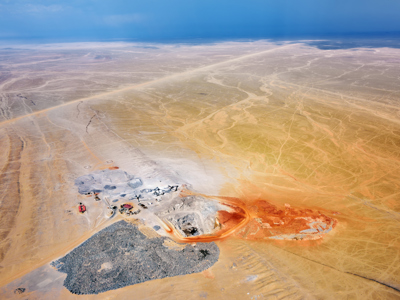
column 82, row 208
column 111, row 211
column 126, row 208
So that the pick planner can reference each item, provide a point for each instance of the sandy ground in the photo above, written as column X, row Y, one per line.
column 290, row 124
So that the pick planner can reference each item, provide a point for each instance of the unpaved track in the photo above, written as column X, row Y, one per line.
column 144, row 84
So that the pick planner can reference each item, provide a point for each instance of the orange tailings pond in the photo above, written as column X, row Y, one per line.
column 262, row 220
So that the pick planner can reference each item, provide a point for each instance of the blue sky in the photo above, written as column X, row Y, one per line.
column 214, row 19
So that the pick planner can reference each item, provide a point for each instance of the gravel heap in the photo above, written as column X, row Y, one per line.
column 191, row 215
column 120, row 255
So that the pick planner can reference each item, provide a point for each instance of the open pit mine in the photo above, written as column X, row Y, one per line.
column 234, row 170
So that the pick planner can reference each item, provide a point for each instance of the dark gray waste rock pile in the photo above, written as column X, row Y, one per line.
column 121, row 255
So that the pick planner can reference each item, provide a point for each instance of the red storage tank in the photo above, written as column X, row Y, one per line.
column 82, row 208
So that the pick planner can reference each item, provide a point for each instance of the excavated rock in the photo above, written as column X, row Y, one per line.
column 120, row 255
column 192, row 215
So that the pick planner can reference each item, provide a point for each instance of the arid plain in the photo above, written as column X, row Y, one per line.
column 310, row 132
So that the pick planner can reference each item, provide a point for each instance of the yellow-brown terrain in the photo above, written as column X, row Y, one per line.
column 286, row 123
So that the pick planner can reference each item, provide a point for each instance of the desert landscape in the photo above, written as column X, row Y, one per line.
column 229, row 170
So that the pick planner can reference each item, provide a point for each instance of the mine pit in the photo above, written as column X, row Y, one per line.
column 188, row 216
